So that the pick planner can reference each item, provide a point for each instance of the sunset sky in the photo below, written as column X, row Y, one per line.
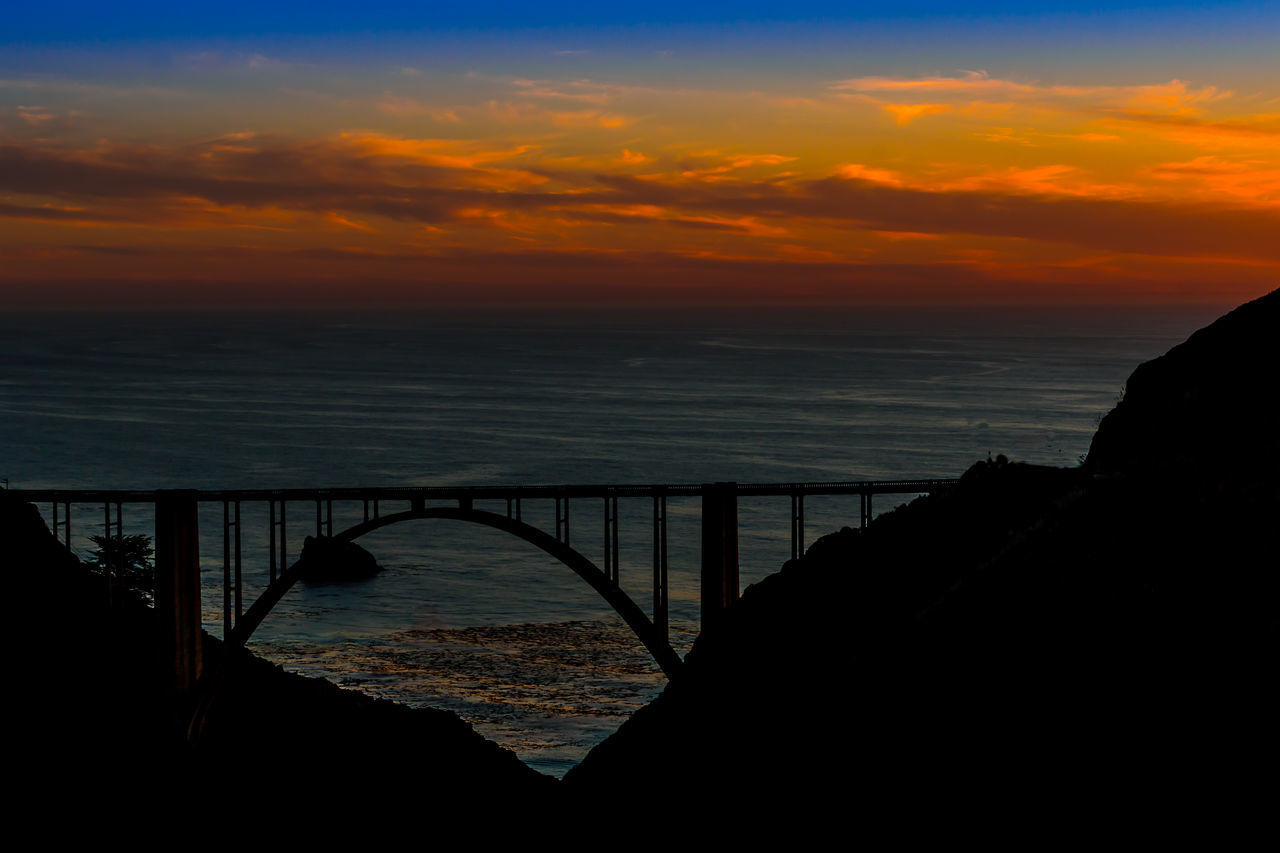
column 901, row 153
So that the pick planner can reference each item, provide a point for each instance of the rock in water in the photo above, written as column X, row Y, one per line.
column 326, row 560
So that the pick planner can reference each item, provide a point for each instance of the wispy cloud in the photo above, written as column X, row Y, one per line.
column 985, row 178
column 578, row 91
column 1249, row 130
column 904, row 114
column 352, row 178
column 399, row 105
column 1255, row 181
column 591, row 118
column 1172, row 97
column 968, row 83
column 44, row 83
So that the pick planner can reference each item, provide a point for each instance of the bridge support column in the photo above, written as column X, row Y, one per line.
column 178, row 584
column 719, row 549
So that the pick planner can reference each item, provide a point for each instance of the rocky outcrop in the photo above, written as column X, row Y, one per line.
column 1031, row 641
column 328, row 560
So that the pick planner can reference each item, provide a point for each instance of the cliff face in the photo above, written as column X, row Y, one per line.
column 1032, row 635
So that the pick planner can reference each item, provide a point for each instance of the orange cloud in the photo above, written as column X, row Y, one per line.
column 400, row 201
column 1054, row 179
column 859, row 172
column 898, row 236
column 1261, row 130
column 590, row 118
column 633, row 158
column 347, row 223
column 998, row 179
column 1173, row 97
column 726, row 164
column 452, row 153
column 1254, row 181
column 35, row 115
column 968, row 83
column 904, row 114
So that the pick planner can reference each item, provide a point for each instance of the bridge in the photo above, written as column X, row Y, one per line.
column 177, row 541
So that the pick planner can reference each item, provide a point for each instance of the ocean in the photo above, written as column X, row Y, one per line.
column 470, row 619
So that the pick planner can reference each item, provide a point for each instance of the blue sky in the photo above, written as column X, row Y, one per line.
column 93, row 22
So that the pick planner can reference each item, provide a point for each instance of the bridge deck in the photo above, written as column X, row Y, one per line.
column 178, row 566
column 853, row 487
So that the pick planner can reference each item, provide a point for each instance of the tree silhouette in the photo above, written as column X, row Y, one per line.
column 126, row 557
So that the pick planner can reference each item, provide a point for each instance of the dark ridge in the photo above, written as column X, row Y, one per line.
column 1206, row 415
column 1036, row 639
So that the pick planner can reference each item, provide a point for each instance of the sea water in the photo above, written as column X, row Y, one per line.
column 469, row 618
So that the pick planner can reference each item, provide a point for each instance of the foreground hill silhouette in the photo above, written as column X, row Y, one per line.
column 96, row 706
column 1036, row 636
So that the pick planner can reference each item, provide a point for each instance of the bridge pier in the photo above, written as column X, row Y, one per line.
column 610, row 537
column 797, row 525
column 719, row 549
column 231, row 567
column 660, row 598
column 177, row 552
column 118, row 558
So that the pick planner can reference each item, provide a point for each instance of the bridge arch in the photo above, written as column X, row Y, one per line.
column 631, row 613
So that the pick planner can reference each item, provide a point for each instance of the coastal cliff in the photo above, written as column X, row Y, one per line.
column 1033, row 637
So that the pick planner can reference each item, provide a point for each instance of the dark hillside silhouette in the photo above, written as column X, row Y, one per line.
column 1207, row 413
column 96, row 701
column 1035, row 637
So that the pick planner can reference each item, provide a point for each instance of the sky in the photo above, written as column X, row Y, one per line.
column 713, row 153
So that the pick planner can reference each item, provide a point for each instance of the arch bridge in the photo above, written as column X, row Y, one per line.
column 177, row 545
